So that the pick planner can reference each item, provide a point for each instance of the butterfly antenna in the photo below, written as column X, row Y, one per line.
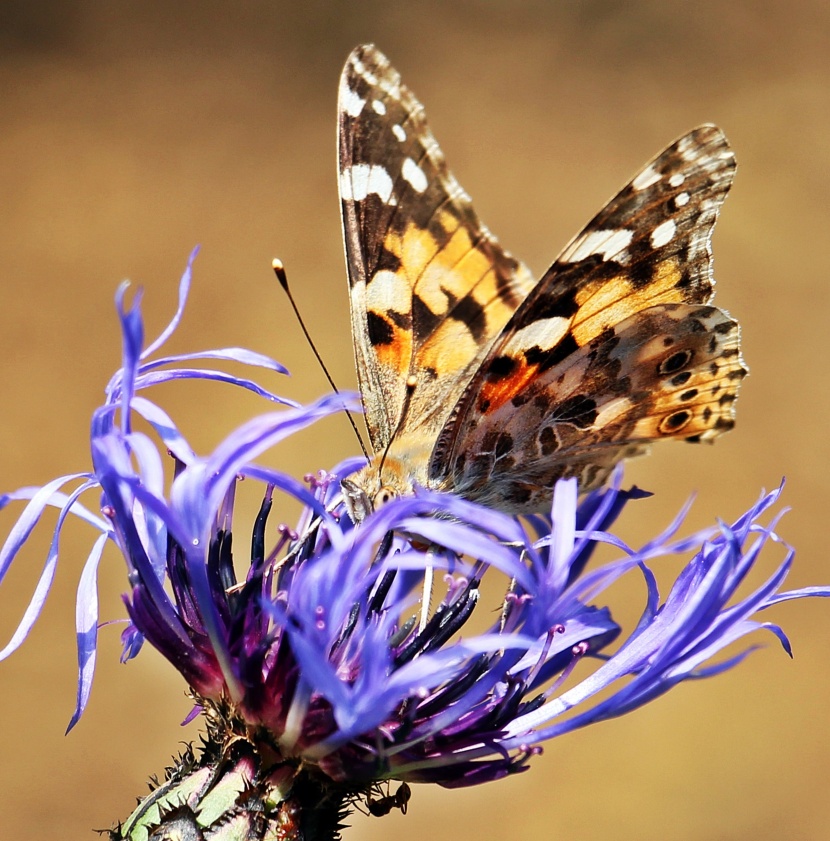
column 282, row 277
column 411, row 382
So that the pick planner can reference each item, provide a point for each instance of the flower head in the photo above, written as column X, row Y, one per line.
column 354, row 654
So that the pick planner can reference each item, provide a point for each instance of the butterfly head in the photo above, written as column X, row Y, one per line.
column 381, row 481
column 360, row 504
column 368, row 490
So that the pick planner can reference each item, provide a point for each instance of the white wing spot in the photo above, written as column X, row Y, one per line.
column 387, row 292
column 414, row 175
column 677, row 179
column 361, row 180
column 544, row 333
column 350, row 102
column 610, row 244
column 688, row 148
column 399, row 133
column 681, row 200
column 646, row 178
column 663, row 233
column 379, row 107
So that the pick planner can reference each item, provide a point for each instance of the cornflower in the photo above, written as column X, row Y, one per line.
column 336, row 658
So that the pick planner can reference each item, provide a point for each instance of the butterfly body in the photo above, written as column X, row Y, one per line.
column 477, row 379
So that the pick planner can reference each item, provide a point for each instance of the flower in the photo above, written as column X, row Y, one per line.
column 337, row 656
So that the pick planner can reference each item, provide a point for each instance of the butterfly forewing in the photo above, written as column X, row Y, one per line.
column 612, row 349
column 430, row 287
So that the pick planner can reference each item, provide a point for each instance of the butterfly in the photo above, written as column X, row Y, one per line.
column 480, row 380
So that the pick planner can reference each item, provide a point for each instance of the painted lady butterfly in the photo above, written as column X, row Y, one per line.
column 477, row 379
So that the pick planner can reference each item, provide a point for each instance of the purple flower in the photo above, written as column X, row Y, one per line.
column 369, row 653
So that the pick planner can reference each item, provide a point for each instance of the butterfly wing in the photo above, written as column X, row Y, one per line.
column 430, row 288
column 614, row 348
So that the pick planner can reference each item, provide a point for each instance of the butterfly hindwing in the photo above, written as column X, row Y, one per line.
column 430, row 288
column 612, row 349
column 670, row 371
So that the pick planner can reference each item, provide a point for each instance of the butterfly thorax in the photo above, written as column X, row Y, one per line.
column 389, row 475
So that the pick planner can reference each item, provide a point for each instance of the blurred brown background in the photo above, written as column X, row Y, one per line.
column 132, row 131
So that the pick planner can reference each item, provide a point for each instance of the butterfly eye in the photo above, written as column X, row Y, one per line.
column 384, row 495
